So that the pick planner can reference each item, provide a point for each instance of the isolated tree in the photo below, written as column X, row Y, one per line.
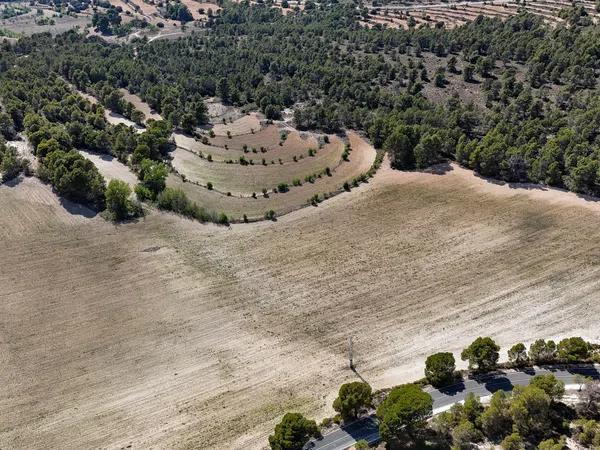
column 550, row 385
column 117, row 199
column 542, row 352
column 153, row 175
column 518, row 355
column 293, row 432
column 482, row 354
column 352, row 397
column 439, row 368
column 573, row 349
column 404, row 412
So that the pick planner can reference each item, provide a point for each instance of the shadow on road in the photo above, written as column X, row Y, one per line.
column 453, row 389
column 498, row 384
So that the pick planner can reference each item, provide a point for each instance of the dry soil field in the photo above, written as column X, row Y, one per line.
column 166, row 333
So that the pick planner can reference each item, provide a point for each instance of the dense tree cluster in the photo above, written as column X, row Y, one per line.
column 539, row 123
column 338, row 74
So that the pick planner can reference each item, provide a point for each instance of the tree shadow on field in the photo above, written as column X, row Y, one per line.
column 76, row 209
column 359, row 375
column 439, row 169
column 14, row 182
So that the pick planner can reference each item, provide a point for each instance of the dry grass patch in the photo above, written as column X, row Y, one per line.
column 244, row 125
column 110, row 167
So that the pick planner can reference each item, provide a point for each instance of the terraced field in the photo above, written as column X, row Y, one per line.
column 454, row 14
column 241, row 181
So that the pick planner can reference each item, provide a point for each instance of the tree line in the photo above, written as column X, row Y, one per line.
column 529, row 416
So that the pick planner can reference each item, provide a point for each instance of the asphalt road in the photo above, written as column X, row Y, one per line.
column 444, row 398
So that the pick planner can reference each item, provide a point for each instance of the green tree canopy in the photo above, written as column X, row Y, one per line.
column 404, row 412
column 482, row 354
column 439, row 368
column 352, row 398
column 293, row 432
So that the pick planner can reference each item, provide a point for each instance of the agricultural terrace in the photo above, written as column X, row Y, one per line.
column 454, row 14
column 305, row 177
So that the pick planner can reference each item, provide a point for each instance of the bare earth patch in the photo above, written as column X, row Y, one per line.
column 171, row 334
column 110, row 167
column 244, row 125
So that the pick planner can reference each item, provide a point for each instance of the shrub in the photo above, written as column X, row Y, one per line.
column 270, row 215
column 209, row 186
column 346, row 186
column 283, row 187
column 297, row 182
column 513, row 442
column 117, row 199
column 326, row 422
column 439, row 369
column 550, row 385
column 142, row 192
column 223, row 219
column 361, row 445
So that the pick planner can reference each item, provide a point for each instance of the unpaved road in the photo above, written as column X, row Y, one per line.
column 170, row 334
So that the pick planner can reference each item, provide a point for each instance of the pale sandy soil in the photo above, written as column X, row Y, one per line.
column 24, row 149
column 244, row 125
column 110, row 167
column 115, row 119
column 169, row 334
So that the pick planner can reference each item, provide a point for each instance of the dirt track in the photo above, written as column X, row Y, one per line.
column 171, row 334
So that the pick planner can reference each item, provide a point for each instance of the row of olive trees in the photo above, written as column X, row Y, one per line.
column 483, row 355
